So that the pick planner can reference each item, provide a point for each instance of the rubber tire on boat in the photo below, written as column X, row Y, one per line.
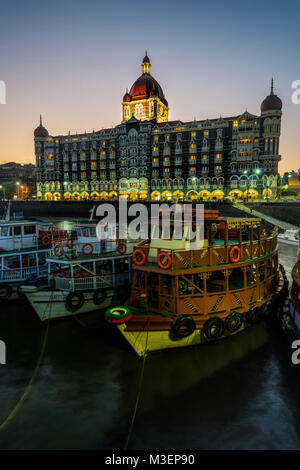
column 253, row 315
column 99, row 296
column 118, row 315
column 183, row 327
column 216, row 323
column 233, row 322
column 71, row 304
column 8, row 292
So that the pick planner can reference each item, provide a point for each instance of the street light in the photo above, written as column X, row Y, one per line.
column 3, row 189
column 18, row 192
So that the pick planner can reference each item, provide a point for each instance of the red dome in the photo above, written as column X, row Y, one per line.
column 126, row 97
column 144, row 87
column 41, row 131
column 270, row 103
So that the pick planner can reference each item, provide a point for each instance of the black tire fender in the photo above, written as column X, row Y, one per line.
column 233, row 322
column 214, row 328
column 100, row 295
column 183, row 327
column 74, row 301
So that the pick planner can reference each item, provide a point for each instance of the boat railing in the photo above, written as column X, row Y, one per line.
column 212, row 255
column 86, row 283
column 23, row 274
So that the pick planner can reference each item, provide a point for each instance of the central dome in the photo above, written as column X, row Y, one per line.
column 144, row 86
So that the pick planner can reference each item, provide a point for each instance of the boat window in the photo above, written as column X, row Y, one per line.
column 42, row 258
column 166, row 285
column 184, row 286
column 29, row 229
column 140, row 280
column 251, row 275
column 261, row 270
column 199, row 282
column 12, row 262
column 121, row 265
column 216, row 282
column 4, row 231
column 17, row 230
column 269, row 268
column 236, row 279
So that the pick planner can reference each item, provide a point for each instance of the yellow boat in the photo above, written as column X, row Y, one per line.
column 182, row 297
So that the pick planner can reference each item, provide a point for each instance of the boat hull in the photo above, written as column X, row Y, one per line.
column 146, row 341
column 51, row 304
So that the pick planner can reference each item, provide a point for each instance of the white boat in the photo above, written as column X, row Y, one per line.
column 24, row 247
column 83, row 275
column 290, row 236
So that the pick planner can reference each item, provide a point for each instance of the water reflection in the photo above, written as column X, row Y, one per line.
column 239, row 393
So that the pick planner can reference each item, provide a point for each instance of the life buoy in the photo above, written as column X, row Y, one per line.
column 233, row 322
column 121, row 248
column 235, row 254
column 183, row 326
column 89, row 251
column 74, row 301
column 214, row 328
column 5, row 291
column 58, row 250
column 163, row 255
column 118, row 315
column 46, row 240
column 99, row 296
column 139, row 257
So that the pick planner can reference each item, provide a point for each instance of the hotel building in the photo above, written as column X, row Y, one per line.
column 149, row 157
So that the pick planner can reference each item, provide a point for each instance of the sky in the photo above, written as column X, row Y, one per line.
column 71, row 61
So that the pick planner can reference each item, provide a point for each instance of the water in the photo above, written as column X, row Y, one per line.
column 240, row 393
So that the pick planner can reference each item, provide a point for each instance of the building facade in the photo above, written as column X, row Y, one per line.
column 149, row 157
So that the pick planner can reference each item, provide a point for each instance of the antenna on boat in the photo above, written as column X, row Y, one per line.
column 7, row 216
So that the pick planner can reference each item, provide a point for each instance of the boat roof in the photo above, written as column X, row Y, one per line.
column 88, row 258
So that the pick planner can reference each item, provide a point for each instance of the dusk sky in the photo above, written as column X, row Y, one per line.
column 72, row 61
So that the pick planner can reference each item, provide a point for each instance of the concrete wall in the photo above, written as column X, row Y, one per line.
column 288, row 212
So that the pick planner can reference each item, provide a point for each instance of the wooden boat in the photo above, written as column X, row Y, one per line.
column 84, row 275
column 24, row 246
column 182, row 297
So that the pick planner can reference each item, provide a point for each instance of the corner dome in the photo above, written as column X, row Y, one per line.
column 272, row 102
column 126, row 97
column 41, row 131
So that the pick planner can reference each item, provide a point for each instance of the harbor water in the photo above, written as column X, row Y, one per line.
column 239, row 393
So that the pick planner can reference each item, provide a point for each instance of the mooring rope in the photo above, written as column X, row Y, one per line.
column 31, row 382
column 139, row 392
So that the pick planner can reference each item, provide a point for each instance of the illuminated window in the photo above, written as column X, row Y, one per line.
column 206, row 133
column 193, row 134
column 235, row 123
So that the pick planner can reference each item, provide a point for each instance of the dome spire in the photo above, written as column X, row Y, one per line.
column 272, row 84
column 146, row 65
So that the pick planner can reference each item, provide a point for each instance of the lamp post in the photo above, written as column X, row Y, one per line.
column 245, row 173
column 3, row 189
column 18, row 191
